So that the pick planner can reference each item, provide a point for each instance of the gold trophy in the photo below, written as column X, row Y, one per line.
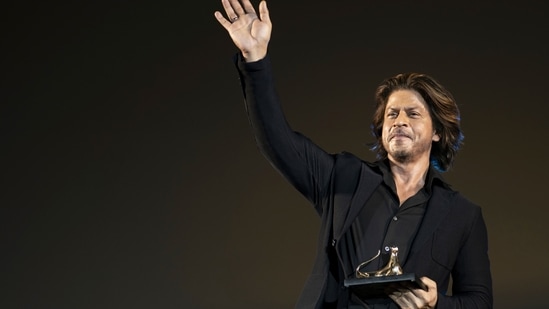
column 391, row 269
column 374, row 284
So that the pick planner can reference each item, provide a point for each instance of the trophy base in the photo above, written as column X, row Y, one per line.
column 374, row 287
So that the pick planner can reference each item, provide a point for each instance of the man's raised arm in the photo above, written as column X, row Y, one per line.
column 300, row 161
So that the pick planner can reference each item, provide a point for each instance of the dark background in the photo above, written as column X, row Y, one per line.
column 130, row 178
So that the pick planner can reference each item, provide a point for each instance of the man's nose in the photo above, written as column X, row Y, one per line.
column 401, row 120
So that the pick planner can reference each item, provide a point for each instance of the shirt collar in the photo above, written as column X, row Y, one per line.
column 434, row 177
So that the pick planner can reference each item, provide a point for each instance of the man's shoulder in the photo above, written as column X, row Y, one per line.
column 351, row 168
column 346, row 159
column 457, row 199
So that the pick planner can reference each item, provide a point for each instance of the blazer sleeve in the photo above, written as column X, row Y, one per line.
column 472, row 283
column 305, row 165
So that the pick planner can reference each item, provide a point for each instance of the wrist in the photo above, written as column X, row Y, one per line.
column 254, row 56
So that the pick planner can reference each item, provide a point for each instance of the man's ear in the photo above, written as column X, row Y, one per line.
column 436, row 137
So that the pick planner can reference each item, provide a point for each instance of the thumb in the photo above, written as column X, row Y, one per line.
column 264, row 12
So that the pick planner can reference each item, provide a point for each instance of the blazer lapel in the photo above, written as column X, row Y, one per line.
column 344, row 216
column 437, row 209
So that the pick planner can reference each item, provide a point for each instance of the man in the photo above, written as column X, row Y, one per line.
column 400, row 200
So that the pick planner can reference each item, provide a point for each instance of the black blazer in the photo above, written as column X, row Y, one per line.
column 451, row 240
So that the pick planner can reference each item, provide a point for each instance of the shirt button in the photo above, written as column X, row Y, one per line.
column 395, row 218
column 387, row 248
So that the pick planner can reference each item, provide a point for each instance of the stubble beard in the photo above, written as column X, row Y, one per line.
column 408, row 154
column 402, row 156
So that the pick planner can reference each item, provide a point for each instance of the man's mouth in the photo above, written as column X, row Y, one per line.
column 399, row 135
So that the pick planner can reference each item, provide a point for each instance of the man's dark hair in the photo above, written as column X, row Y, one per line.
column 442, row 108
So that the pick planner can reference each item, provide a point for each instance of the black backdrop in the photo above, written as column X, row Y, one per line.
column 130, row 178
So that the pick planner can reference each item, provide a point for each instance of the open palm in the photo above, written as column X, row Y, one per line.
column 250, row 33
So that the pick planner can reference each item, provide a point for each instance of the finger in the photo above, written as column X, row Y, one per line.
column 248, row 7
column 428, row 283
column 395, row 294
column 417, row 297
column 409, row 300
column 229, row 9
column 417, row 292
column 264, row 12
column 222, row 20
column 237, row 7
column 400, row 300
column 394, row 298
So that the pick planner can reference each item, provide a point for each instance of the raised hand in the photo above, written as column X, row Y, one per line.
column 250, row 33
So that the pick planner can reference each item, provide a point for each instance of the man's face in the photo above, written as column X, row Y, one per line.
column 407, row 127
